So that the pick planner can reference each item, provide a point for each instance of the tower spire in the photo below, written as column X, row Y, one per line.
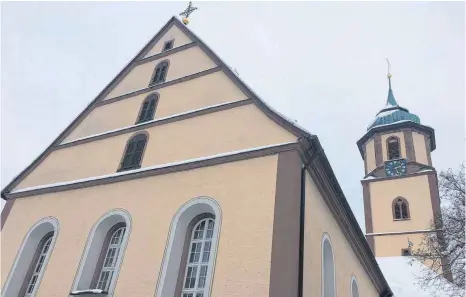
column 391, row 102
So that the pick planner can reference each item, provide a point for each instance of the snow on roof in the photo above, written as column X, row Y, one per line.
column 402, row 277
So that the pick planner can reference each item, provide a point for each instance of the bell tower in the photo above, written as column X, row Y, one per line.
column 400, row 184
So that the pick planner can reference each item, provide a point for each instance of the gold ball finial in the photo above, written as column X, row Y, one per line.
column 389, row 75
column 185, row 21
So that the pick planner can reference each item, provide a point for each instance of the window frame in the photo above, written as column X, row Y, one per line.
column 395, row 204
column 170, row 266
column 171, row 41
column 354, row 282
column 153, row 96
column 326, row 238
column 159, row 64
column 397, row 140
column 24, row 257
column 128, row 142
column 93, row 248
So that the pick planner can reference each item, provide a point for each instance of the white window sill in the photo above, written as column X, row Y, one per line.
column 88, row 292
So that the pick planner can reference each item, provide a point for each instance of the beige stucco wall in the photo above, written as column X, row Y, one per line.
column 191, row 95
column 172, row 33
column 370, row 156
column 246, row 197
column 384, row 138
column 414, row 189
column 189, row 61
column 420, row 148
column 319, row 219
column 225, row 131
column 391, row 245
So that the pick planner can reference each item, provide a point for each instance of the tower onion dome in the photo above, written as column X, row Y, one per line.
column 392, row 112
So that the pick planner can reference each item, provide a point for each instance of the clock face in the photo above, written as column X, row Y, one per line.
column 395, row 167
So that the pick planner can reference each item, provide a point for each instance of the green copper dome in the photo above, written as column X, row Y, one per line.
column 393, row 113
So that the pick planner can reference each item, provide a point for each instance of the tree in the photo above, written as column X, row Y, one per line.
column 443, row 249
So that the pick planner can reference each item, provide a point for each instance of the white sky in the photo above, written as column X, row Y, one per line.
column 322, row 64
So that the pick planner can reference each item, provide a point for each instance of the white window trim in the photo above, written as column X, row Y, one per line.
column 127, row 219
column 355, row 280
column 12, row 288
column 167, row 280
column 326, row 237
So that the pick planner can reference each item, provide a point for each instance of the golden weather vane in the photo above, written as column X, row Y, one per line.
column 187, row 12
column 389, row 75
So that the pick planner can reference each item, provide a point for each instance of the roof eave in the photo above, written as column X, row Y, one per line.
column 405, row 124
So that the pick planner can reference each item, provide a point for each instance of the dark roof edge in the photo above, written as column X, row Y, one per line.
column 268, row 110
column 395, row 126
column 19, row 177
column 338, row 205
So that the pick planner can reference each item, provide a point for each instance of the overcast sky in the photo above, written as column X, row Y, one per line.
column 322, row 64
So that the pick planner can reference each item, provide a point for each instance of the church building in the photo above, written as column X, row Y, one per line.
column 177, row 180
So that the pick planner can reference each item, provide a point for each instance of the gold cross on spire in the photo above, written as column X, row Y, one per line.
column 187, row 12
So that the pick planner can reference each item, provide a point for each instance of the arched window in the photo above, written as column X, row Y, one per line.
column 328, row 268
column 400, row 208
column 37, row 265
column 31, row 261
column 354, row 287
column 103, row 254
column 160, row 73
column 189, row 260
column 133, row 152
column 148, row 109
column 393, row 148
column 198, row 259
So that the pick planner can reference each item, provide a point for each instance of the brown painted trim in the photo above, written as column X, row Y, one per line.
column 428, row 151
column 364, row 181
column 378, row 150
column 159, row 86
column 371, row 242
column 397, row 127
column 159, row 171
column 366, row 193
column 409, row 145
column 434, row 193
column 6, row 211
column 400, row 233
column 286, row 227
column 165, row 53
column 156, row 122
column 365, row 160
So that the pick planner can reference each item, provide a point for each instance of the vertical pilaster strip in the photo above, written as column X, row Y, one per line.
column 378, row 150
column 6, row 211
column 365, row 159
column 409, row 145
column 368, row 215
column 429, row 158
column 284, row 266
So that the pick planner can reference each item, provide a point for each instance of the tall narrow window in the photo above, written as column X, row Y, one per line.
column 147, row 109
column 354, row 287
column 400, row 209
column 198, row 259
column 328, row 268
column 38, row 264
column 160, row 73
column 112, row 251
column 133, row 152
column 393, row 147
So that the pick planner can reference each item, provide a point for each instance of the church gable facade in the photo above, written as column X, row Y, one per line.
column 177, row 180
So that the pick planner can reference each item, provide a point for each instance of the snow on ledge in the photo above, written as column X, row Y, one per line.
column 152, row 121
column 89, row 291
column 100, row 177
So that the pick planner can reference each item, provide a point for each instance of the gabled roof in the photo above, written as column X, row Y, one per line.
column 313, row 155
